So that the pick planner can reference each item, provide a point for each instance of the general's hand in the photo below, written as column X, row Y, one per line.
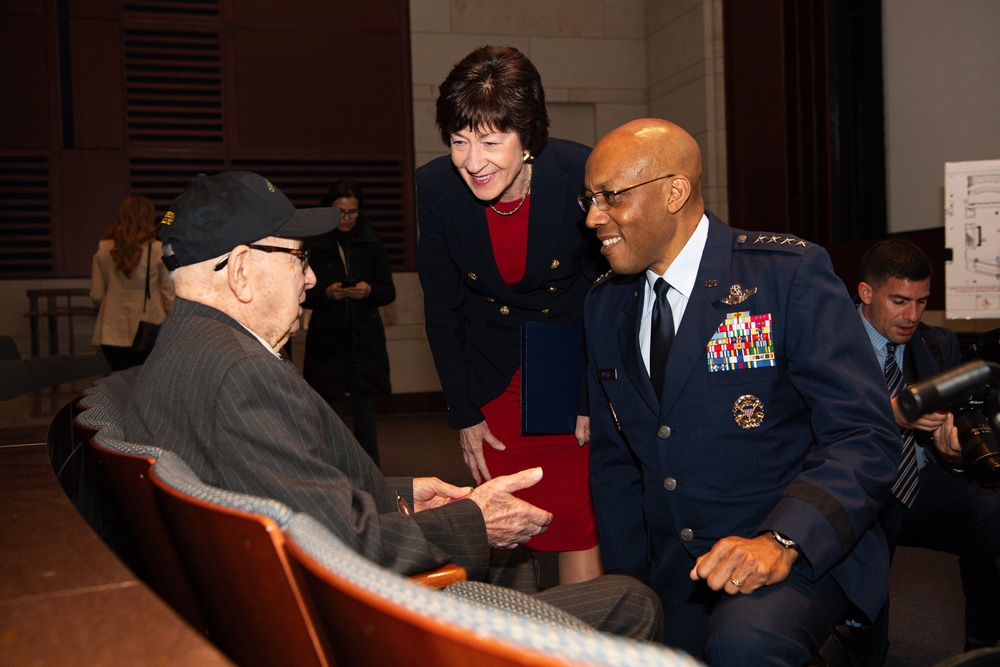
column 472, row 439
column 582, row 430
column 431, row 492
column 509, row 520
column 756, row 562
column 946, row 440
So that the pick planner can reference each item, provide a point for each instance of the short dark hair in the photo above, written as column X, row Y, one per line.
column 345, row 187
column 498, row 88
column 894, row 258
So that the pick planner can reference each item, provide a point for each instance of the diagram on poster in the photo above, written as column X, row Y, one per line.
column 972, row 239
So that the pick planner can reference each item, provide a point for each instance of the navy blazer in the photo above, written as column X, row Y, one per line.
column 806, row 446
column 920, row 363
column 472, row 317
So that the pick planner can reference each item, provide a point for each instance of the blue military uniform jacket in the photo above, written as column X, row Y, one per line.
column 794, row 433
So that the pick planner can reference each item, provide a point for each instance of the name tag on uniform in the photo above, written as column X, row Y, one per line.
column 607, row 374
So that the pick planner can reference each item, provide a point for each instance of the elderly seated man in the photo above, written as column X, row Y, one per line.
column 216, row 391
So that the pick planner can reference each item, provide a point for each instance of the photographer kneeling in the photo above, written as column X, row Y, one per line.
column 932, row 505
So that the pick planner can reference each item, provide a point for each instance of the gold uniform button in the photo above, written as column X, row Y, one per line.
column 545, row 311
column 555, row 264
column 552, row 290
column 472, row 276
column 687, row 534
column 664, row 432
column 670, row 484
column 504, row 310
column 490, row 299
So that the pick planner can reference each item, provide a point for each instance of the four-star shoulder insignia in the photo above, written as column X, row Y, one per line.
column 773, row 239
column 604, row 276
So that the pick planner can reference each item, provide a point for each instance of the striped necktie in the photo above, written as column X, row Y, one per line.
column 661, row 334
column 905, row 488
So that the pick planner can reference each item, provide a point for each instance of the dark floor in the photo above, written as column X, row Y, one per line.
column 926, row 611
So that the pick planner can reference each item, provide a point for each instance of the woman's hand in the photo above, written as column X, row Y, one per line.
column 337, row 292
column 472, row 439
column 582, row 430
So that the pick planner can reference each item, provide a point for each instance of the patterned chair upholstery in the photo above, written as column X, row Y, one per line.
column 174, row 472
column 105, row 405
column 389, row 618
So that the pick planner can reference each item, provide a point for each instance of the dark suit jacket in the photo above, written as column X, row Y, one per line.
column 817, row 467
column 473, row 318
column 920, row 362
column 245, row 420
column 345, row 345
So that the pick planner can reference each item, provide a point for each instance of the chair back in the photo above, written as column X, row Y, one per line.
column 233, row 548
column 124, row 468
column 375, row 617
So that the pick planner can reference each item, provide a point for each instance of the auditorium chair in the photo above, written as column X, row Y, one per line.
column 374, row 617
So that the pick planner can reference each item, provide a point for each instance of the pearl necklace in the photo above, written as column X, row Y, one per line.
column 527, row 192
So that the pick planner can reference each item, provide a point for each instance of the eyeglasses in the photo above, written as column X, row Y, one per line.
column 348, row 212
column 604, row 200
column 302, row 254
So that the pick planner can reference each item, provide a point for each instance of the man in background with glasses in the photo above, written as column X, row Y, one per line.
column 216, row 391
column 742, row 441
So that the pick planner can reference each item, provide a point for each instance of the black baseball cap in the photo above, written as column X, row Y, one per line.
column 217, row 213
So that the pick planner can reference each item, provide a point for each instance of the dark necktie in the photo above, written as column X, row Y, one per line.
column 661, row 334
column 905, row 488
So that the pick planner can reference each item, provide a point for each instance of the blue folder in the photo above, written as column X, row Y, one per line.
column 551, row 376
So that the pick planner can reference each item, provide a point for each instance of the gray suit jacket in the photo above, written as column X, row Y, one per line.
column 245, row 420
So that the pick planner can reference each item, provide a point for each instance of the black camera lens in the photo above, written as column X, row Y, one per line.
column 980, row 451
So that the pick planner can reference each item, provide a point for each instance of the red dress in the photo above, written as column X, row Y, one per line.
column 565, row 486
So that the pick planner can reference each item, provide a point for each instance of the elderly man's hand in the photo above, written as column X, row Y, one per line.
column 510, row 521
column 430, row 492
column 740, row 565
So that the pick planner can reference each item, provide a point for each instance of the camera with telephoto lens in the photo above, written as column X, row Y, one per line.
column 976, row 418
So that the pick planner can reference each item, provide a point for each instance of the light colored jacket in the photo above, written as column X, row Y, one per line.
column 120, row 299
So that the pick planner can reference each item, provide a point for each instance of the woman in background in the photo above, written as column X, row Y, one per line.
column 502, row 242
column 119, row 272
column 346, row 359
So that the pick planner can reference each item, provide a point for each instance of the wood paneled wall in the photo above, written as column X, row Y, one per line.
column 110, row 97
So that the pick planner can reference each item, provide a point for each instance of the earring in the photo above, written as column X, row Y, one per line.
column 527, row 157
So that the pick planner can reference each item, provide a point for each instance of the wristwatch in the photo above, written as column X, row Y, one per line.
column 784, row 541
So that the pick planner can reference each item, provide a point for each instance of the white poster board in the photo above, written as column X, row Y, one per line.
column 972, row 235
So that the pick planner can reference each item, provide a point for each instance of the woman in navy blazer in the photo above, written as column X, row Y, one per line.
column 502, row 242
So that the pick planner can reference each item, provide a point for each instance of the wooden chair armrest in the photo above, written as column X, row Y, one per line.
column 444, row 576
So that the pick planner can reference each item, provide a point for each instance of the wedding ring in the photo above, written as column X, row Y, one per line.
column 736, row 582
